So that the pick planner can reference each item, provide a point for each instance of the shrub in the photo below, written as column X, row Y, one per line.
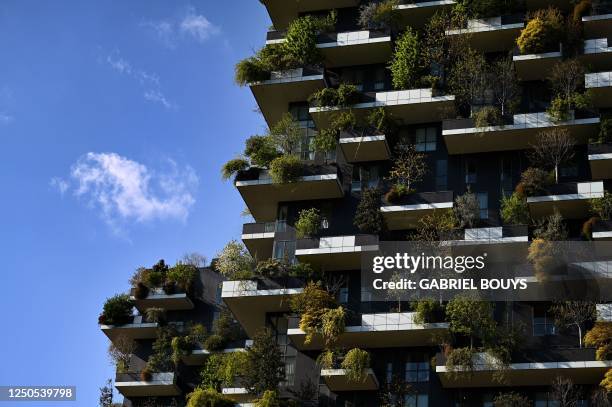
column 378, row 15
column 235, row 262
column 514, row 209
column 214, row 342
column 460, row 359
column 380, row 120
column 467, row 209
column 308, row 223
column 232, row 167
column 471, row 317
column 487, row 116
column 226, row 327
column 483, row 8
column 368, row 217
column 270, row 268
column 117, row 310
column 347, row 94
column 264, row 363
column 533, row 182
column 161, row 356
column 304, row 271
column 427, row 311
column 327, row 359
column 344, row 121
column 250, row 70
column 396, row 193
column 155, row 314
column 268, row 399
column 600, row 336
column 355, row 363
column 312, row 304
column 511, row 399
column 551, row 228
column 285, row 169
column 154, row 278
column 325, row 140
column 602, row 207
column 169, row 287
column 540, row 256
column 301, row 41
column 183, row 275
column 332, row 325
column 141, row 291
column 606, row 382
column 324, row 97
column 208, row 398
column 404, row 64
column 181, row 347
column 260, row 150
column 605, row 132
column 542, row 33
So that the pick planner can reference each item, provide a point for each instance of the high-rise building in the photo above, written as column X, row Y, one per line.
column 480, row 122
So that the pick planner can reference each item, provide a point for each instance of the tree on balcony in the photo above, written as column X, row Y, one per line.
column 235, row 262
column 468, row 79
column 574, row 314
column 405, row 63
column 378, row 15
column 355, row 364
column 472, row 318
column 222, row 370
column 308, row 223
column 511, row 399
column 408, row 168
column 506, row 89
column 564, row 392
column 206, row 397
column 602, row 207
column 553, row 148
column 533, row 182
column 600, row 336
column 368, row 217
column 542, row 33
column 394, row 392
column 467, row 209
column 117, row 310
column 314, row 305
column 514, row 210
column 264, row 366
column 567, row 84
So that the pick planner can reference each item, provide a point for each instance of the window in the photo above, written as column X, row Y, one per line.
column 343, row 293
column 506, row 176
column 299, row 111
column 417, row 372
column 470, row 172
column 570, row 170
column 354, row 76
column 379, row 79
column 288, row 353
column 426, row 139
column 543, row 323
column 545, row 400
column 416, row 400
column 483, row 204
column 441, row 175
column 285, row 250
column 364, row 176
column 389, row 372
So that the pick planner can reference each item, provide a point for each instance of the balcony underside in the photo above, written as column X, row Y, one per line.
column 417, row 15
column 366, row 337
column 366, row 148
column 132, row 331
column 570, row 206
column 597, row 26
column 492, row 40
column 535, row 66
column 170, row 302
column 282, row 12
column 601, row 166
column 161, row 385
column 400, row 217
column 259, row 247
column 511, row 137
column 527, row 374
column 262, row 197
column 336, row 380
column 542, row 4
column 273, row 97
column 601, row 96
column 372, row 51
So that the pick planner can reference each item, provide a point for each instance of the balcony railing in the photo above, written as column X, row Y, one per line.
column 336, row 242
column 264, row 227
column 337, row 38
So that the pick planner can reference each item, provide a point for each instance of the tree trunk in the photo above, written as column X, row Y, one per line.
column 557, row 173
column 580, row 336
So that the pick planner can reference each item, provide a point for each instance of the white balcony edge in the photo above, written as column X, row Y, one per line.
column 596, row 17
column 595, row 157
column 362, row 139
column 416, row 207
column 370, row 105
column 266, row 235
column 602, row 235
column 308, row 178
column 525, row 126
column 296, row 79
column 460, row 31
column 540, row 365
column 530, row 57
column 425, row 4
column 331, row 250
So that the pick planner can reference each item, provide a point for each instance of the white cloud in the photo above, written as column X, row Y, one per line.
column 190, row 25
column 198, row 26
column 164, row 30
column 124, row 190
column 6, row 118
column 60, row 184
column 158, row 97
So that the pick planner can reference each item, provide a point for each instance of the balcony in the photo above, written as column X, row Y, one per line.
column 600, row 87
column 570, row 199
column 579, row 365
column 238, row 394
column 417, row 13
column 604, row 312
column 532, row 67
column 274, row 95
column 138, row 328
column 161, row 384
column 199, row 355
column 542, row 4
column 600, row 160
column 415, row 206
column 405, row 106
column 361, row 147
column 349, row 48
column 462, row 137
column 262, row 196
column 602, row 230
column 157, row 298
column 507, row 241
column 336, row 380
column 335, row 252
column 282, row 12
column 384, row 330
column 597, row 54
column 249, row 301
column 492, row 34
column 599, row 23
column 259, row 237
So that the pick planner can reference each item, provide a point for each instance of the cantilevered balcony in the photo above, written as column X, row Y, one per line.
column 599, row 85
column 405, row 106
column 417, row 13
column 137, row 328
column 493, row 33
column 199, row 355
column 160, row 384
column 405, row 215
column 335, row 252
column 570, row 199
column 336, row 380
column 364, row 146
column 531, row 67
column 259, row 237
column 602, row 230
column 348, row 48
column 463, row 137
column 579, row 365
column 597, row 54
column 274, row 95
column 600, row 160
column 262, row 196
column 238, row 394
column 384, row 330
column 249, row 301
column 599, row 23
column 157, row 298
column 604, row 312
column 506, row 241
column 282, row 12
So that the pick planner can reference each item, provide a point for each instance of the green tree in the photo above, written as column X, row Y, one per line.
column 368, row 217
column 404, row 64
column 472, row 318
column 235, row 262
column 574, row 314
column 265, row 366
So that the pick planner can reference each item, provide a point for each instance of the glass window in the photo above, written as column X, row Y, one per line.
column 416, row 400
column 389, row 372
column 506, row 176
column 343, row 293
column 543, row 323
column 364, row 176
column 441, row 175
column 483, row 204
column 470, row 172
column 379, row 79
column 285, row 250
column 426, row 139
column 417, row 372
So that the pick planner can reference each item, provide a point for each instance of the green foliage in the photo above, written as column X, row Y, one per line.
column 233, row 166
column 344, row 95
column 606, row 382
column 380, row 120
column 404, row 64
column 368, row 217
column 551, row 228
column 308, row 223
column 327, row 359
column 250, row 70
column 355, row 363
column 332, row 325
column 286, row 135
column 409, row 166
column 460, row 359
column 260, row 150
column 427, row 310
column 483, row 8
column 264, row 362
column 286, row 169
column 301, row 41
column 235, row 262
column 214, row 342
column 471, row 318
column 161, row 357
column 605, row 132
column 304, row 271
column 181, row 347
column 397, row 192
column 347, row 94
column 602, row 207
column 343, row 121
column 325, row 140
column 155, row 314
column 379, row 15
column 270, row 268
column 117, row 310
column 183, row 275
column 511, row 399
column 487, row 116
column 533, row 182
column 222, row 369
column 542, row 33
column 141, row 291
column 560, row 108
column 268, row 399
column 600, row 337
column 468, row 78
column 313, row 303
column 514, row 209
column 208, row 398
column 467, row 209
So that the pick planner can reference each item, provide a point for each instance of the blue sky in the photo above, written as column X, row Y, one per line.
column 115, row 118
